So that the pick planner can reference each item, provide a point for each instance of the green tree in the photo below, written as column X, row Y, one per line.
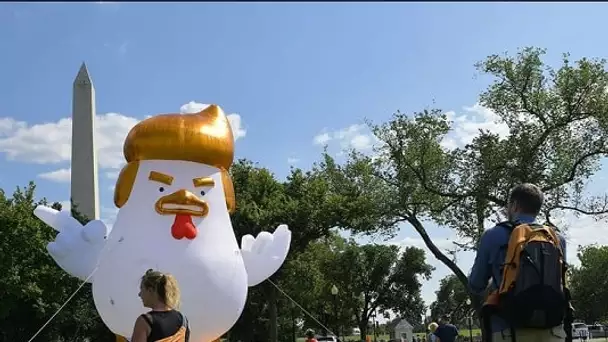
column 589, row 284
column 376, row 278
column 304, row 203
column 556, row 120
column 451, row 299
column 307, row 282
column 370, row 279
column 33, row 287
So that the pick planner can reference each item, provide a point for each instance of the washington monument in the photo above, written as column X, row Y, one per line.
column 84, row 186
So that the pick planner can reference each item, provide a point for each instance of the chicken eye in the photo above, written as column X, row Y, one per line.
column 203, row 193
column 161, row 189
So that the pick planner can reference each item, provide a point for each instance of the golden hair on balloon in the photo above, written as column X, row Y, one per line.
column 204, row 137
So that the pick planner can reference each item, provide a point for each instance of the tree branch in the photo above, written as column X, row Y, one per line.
column 418, row 226
column 573, row 170
column 582, row 211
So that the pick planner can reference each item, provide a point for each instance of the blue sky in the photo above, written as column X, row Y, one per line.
column 295, row 74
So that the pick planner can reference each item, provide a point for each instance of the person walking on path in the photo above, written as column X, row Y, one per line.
column 446, row 332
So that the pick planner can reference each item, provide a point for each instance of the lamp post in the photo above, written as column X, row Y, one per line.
column 470, row 319
column 374, row 322
column 334, row 293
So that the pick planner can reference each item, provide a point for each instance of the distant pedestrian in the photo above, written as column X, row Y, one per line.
column 446, row 332
column 310, row 336
column 432, row 328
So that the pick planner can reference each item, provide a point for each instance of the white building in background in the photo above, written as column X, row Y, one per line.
column 402, row 330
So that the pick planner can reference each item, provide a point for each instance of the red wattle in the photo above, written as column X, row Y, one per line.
column 183, row 227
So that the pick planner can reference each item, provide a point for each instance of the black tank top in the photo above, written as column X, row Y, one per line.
column 164, row 324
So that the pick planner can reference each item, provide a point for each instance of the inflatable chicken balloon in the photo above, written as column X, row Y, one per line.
column 174, row 197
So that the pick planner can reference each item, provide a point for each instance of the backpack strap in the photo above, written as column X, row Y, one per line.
column 184, row 320
column 148, row 318
column 186, row 327
column 509, row 226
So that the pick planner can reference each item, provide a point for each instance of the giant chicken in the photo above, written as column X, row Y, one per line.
column 175, row 197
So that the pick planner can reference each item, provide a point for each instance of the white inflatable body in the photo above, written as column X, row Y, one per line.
column 209, row 268
column 174, row 218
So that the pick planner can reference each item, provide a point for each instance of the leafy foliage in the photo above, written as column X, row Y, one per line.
column 589, row 284
column 34, row 288
column 371, row 280
column 304, row 203
column 451, row 300
column 554, row 137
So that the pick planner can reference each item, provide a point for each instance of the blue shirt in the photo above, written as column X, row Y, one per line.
column 446, row 332
column 490, row 256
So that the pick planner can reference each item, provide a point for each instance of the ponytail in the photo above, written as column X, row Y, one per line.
column 164, row 285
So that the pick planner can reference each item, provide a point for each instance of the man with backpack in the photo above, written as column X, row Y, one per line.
column 525, row 263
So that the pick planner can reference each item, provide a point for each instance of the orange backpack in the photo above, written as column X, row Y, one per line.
column 533, row 291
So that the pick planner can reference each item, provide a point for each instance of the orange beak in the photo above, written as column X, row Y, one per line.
column 182, row 202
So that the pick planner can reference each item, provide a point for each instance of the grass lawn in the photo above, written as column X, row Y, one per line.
column 352, row 338
column 463, row 332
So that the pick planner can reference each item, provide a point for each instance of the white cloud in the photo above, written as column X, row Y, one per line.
column 51, row 142
column 321, row 139
column 235, row 120
column 354, row 136
column 60, row 176
column 41, row 143
column 8, row 125
column 467, row 125
column 292, row 160
column 112, row 129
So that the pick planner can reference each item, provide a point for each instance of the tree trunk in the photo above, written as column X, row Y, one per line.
column 419, row 227
column 273, row 314
column 363, row 330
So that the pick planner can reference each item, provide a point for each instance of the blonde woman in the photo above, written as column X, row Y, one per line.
column 163, row 323
column 432, row 328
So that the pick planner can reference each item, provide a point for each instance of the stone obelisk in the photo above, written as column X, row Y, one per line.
column 84, row 187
